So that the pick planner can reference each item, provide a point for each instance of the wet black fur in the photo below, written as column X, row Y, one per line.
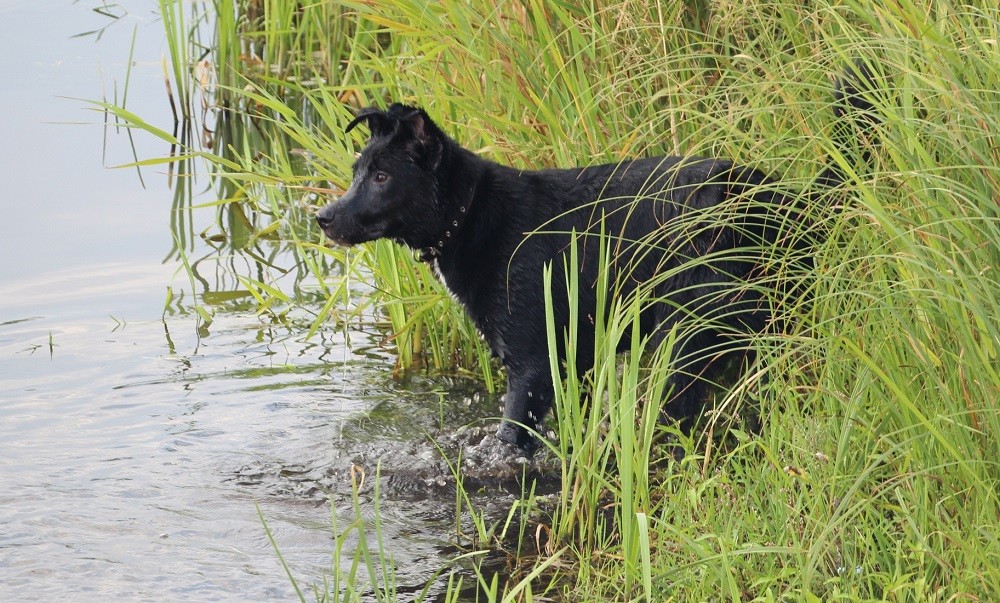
column 489, row 229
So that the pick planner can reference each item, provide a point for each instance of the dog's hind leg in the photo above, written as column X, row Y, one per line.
column 687, row 386
column 700, row 359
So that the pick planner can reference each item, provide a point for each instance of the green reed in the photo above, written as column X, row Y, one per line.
column 874, row 474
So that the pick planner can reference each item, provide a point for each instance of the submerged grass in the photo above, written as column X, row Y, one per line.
column 874, row 474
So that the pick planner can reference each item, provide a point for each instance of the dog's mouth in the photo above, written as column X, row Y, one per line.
column 360, row 233
column 336, row 239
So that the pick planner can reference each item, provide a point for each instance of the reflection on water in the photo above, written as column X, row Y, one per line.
column 136, row 440
column 136, row 464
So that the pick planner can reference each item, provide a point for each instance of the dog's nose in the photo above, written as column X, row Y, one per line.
column 323, row 220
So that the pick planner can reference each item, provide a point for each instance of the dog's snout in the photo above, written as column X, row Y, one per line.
column 323, row 218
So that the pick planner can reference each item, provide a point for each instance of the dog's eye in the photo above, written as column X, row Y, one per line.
column 381, row 177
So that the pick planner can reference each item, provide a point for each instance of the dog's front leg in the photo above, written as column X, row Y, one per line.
column 529, row 394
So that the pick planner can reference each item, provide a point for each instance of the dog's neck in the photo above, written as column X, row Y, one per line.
column 453, row 223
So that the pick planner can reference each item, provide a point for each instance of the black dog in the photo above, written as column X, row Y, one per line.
column 693, row 232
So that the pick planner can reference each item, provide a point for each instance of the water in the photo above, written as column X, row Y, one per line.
column 136, row 448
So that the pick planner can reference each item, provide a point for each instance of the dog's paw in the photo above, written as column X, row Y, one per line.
column 518, row 436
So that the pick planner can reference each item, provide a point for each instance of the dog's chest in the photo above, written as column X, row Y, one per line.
column 436, row 269
column 456, row 295
column 480, row 318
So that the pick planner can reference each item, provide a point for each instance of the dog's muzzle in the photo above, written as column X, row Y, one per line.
column 324, row 219
column 332, row 224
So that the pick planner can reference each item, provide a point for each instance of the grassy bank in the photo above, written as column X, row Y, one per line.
column 875, row 472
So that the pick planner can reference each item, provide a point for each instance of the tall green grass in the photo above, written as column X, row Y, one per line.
column 874, row 474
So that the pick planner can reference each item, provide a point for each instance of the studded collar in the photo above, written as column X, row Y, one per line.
column 455, row 221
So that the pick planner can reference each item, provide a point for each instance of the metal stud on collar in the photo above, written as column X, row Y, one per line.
column 430, row 253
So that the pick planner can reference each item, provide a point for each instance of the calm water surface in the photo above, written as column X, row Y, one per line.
column 134, row 447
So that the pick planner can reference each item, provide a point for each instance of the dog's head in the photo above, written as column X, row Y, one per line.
column 394, row 193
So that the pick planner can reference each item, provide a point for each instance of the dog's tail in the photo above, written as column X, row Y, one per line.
column 855, row 93
column 795, row 219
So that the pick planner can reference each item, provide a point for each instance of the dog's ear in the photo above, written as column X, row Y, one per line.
column 378, row 121
column 428, row 139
